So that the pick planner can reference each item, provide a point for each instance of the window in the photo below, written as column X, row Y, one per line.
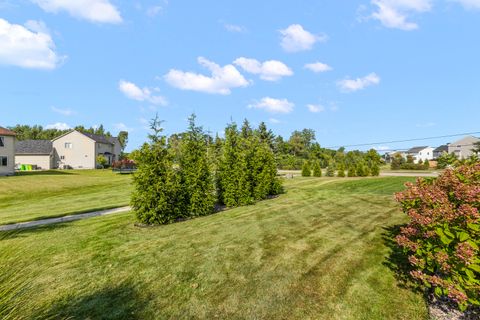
column 2, row 141
column 3, row 161
column 68, row 145
column 62, row 157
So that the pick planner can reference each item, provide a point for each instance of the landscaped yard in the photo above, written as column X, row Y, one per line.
column 320, row 251
column 36, row 195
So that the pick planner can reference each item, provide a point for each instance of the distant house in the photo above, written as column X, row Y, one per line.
column 421, row 153
column 38, row 153
column 80, row 150
column 463, row 147
column 7, row 152
column 439, row 151
column 388, row 156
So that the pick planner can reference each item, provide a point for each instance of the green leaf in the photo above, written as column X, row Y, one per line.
column 474, row 226
column 473, row 244
column 463, row 236
column 438, row 291
column 474, row 267
column 470, row 274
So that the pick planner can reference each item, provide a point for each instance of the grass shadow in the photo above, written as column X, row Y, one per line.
column 112, row 302
column 397, row 259
column 44, row 173
column 22, row 233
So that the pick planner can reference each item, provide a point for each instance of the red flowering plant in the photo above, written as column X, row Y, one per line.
column 124, row 164
column 443, row 237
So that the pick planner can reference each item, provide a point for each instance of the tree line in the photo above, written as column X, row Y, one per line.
column 190, row 174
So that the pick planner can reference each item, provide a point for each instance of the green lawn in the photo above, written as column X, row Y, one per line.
column 36, row 195
column 320, row 251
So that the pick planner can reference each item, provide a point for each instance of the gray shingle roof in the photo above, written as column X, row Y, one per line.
column 100, row 138
column 34, row 147
column 441, row 148
column 416, row 149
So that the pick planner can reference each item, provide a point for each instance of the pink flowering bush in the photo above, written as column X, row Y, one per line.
column 124, row 164
column 443, row 237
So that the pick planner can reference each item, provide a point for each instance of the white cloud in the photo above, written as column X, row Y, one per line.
column 469, row 4
column 27, row 47
column 154, row 11
column 295, row 38
column 395, row 13
column 58, row 126
column 274, row 121
column 382, row 148
column 132, row 91
column 234, row 28
column 273, row 105
column 122, row 127
column 271, row 70
column 101, row 11
column 65, row 112
column 350, row 85
column 318, row 67
column 221, row 81
column 315, row 108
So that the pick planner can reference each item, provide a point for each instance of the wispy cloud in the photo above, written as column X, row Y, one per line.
column 99, row 11
column 58, row 126
column 273, row 105
column 396, row 13
column 351, row 85
column 315, row 108
column 295, row 38
column 234, row 28
column 318, row 67
column 271, row 70
column 64, row 112
column 132, row 91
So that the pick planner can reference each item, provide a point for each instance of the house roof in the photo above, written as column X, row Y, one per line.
column 94, row 137
column 34, row 147
column 441, row 148
column 416, row 149
column 6, row 132
column 100, row 138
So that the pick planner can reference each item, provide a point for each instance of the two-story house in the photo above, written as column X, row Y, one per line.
column 7, row 152
column 421, row 153
column 463, row 148
column 80, row 150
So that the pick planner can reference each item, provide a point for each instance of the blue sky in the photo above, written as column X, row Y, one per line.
column 354, row 71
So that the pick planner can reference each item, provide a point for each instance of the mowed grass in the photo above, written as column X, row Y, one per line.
column 37, row 195
column 316, row 252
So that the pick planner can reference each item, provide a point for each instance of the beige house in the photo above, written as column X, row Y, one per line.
column 38, row 153
column 463, row 147
column 80, row 150
column 7, row 152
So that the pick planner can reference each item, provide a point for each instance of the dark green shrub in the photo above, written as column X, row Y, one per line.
column 317, row 170
column 352, row 171
column 330, row 171
column 306, row 171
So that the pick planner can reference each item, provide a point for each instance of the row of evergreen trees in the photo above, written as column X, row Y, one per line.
column 190, row 175
column 360, row 169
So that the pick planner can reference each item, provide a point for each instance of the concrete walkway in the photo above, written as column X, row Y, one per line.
column 36, row 223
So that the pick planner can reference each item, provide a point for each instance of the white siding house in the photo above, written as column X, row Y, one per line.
column 79, row 150
column 421, row 153
column 7, row 152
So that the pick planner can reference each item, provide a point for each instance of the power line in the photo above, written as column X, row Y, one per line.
column 406, row 140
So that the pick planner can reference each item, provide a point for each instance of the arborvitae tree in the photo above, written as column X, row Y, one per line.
column 197, row 178
column 234, row 184
column 265, row 181
column 360, row 170
column 352, row 171
column 306, row 171
column 426, row 164
column 158, row 196
column 330, row 170
column 317, row 170
column 375, row 170
column 341, row 171
column 366, row 171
